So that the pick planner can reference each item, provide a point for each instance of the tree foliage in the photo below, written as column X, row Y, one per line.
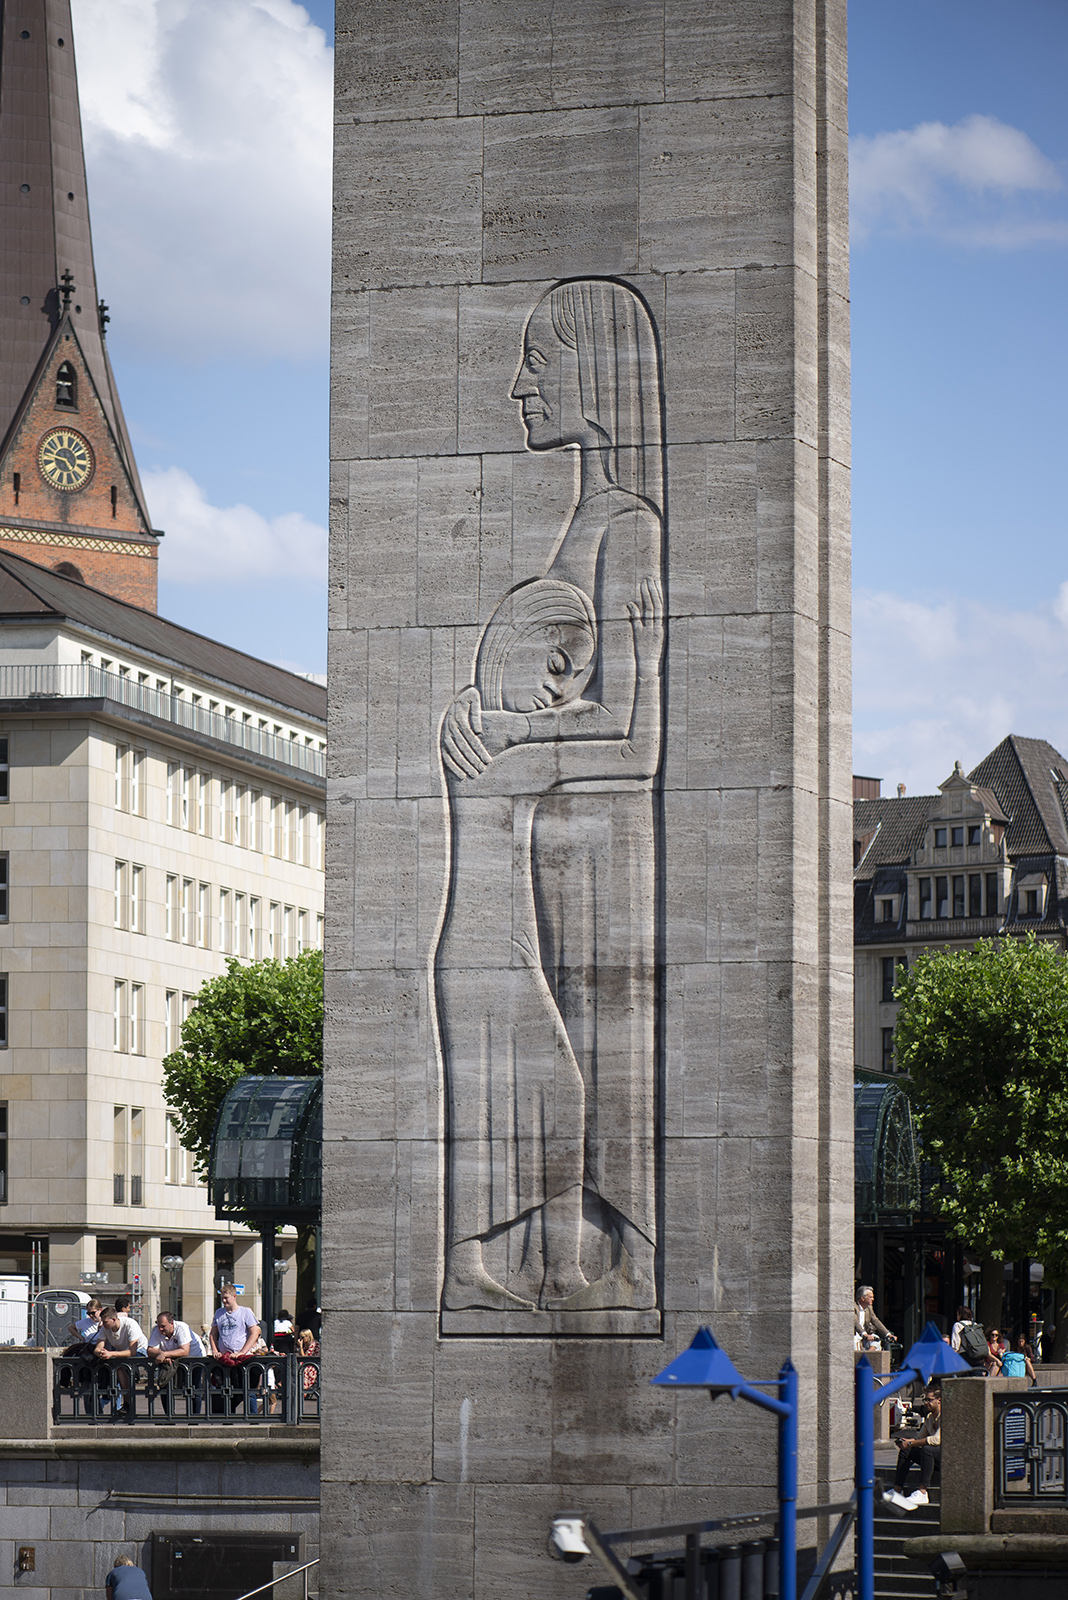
column 263, row 1018
column 983, row 1034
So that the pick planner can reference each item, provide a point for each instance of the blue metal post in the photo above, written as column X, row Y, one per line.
column 788, row 1484
column 865, row 1449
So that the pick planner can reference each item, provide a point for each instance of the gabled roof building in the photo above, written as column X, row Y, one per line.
column 986, row 856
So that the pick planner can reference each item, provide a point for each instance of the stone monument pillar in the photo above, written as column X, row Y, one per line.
column 589, row 940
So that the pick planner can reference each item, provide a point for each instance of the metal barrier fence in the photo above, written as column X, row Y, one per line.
column 81, row 680
column 199, row 1390
column 1030, row 1437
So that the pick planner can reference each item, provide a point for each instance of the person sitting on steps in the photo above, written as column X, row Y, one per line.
column 924, row 1452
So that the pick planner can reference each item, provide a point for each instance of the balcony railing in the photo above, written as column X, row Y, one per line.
column 82, row 681
column 199, row 1391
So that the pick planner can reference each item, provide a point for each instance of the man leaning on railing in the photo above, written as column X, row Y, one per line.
column 173, row 1341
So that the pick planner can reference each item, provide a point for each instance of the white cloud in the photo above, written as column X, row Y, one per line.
column 208, row 138
column 934, row 683
column 958, row 181
column 206, row 544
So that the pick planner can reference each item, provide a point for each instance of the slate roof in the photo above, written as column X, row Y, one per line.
column 31, row 592
column 897, row 826
column 1021, row 773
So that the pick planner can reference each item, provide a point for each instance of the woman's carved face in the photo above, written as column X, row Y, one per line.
column 547, row 388
column 547, row 667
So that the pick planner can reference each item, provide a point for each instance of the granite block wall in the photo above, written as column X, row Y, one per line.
column 588, row 953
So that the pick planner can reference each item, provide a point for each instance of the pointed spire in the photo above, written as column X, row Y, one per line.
column 46, row 247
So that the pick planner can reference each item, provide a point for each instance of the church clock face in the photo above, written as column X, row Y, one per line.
column 65, row 459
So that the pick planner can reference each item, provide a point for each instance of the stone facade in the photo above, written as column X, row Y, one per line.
column 588, row 953
column 139, row 855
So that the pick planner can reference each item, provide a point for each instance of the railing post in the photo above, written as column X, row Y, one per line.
column 788, row 1391
column 864, row 1395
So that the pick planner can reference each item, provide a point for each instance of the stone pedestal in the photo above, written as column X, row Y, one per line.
column 589, row 943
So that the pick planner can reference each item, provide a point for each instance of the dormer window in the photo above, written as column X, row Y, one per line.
column 940, row 838
column 1030, row 902
column 1031, row 895
column 975, row 834
column 67, row 387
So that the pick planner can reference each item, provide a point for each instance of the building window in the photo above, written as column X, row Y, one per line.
column 120, row 1038
column 188, row 802
column 137, row 1156
column 174, row 780
column 925, row 898
column 319, row 859
column 888, row 1049
column 886, row 911
column 188, row 911
column 241, row 924
column 993, row 895
column 241, row 815
column 958, row 838
column 292, row 830
column 137, row 1020
column 940, row 838
column 975, row 895
column 137, row 899
column 3, row 885
column 4, row 769
column 975, row 833
column 118, row 1156
column 3, row 1151
column 122, row 894
column 204, row 804
column 274, row 932
column 303, row 839
column 255, row 826
column 170, row 1021
column 176, row 1164
column 941, row 897
column 889, row 978
column 226, row 810
column 188, row 1002
column 129, row 780
column 302, row 932
column 172, row 906
column 958, row 895
column 204, row 916
column 1030, row 902
column 255, row 928
column 3, row 1010
column 289, row 924
column 67, row 387
column 278, row 825
column 320, row 924
column 226, row 926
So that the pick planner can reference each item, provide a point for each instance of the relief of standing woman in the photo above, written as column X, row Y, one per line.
column 545, row 967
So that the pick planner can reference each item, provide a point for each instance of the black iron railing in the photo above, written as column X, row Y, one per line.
column 200, row 1390
column 1030, row 1439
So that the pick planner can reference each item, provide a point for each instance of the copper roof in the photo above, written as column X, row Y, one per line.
column 44, row 212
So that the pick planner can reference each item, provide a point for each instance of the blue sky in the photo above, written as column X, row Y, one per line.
column 210, row 210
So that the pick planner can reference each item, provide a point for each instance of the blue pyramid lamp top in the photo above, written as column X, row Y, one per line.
column 702, row 1366
column 932, row 1357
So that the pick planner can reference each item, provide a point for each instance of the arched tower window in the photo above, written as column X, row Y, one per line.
column 66, row 387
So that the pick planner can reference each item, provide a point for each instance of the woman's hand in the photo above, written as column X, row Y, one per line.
column 462, row 749
column 647, row 624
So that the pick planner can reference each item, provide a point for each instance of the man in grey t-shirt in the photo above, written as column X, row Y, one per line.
column 234, row 1329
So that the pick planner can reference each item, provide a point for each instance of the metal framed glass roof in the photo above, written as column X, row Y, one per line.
column 266, row 1153
column 886, row 1157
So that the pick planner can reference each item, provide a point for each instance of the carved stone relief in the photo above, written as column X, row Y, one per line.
column 544, row 966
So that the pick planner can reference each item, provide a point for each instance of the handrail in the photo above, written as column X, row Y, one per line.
column 282, row 1578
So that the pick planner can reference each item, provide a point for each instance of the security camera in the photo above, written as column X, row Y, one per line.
column 567, row 1539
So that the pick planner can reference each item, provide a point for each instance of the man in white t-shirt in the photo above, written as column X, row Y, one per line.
column 173, row 1341
column 120, row 1339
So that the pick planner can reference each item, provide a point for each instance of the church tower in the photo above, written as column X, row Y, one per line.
column 70, row 495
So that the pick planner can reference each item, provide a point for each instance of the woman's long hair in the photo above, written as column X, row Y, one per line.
column 611, row 332
column 530, row 607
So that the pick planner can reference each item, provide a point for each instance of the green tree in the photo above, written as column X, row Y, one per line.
column 983, row 1035
column 263, row 1018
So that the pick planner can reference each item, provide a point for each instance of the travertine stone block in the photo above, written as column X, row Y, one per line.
column 588, row 1047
